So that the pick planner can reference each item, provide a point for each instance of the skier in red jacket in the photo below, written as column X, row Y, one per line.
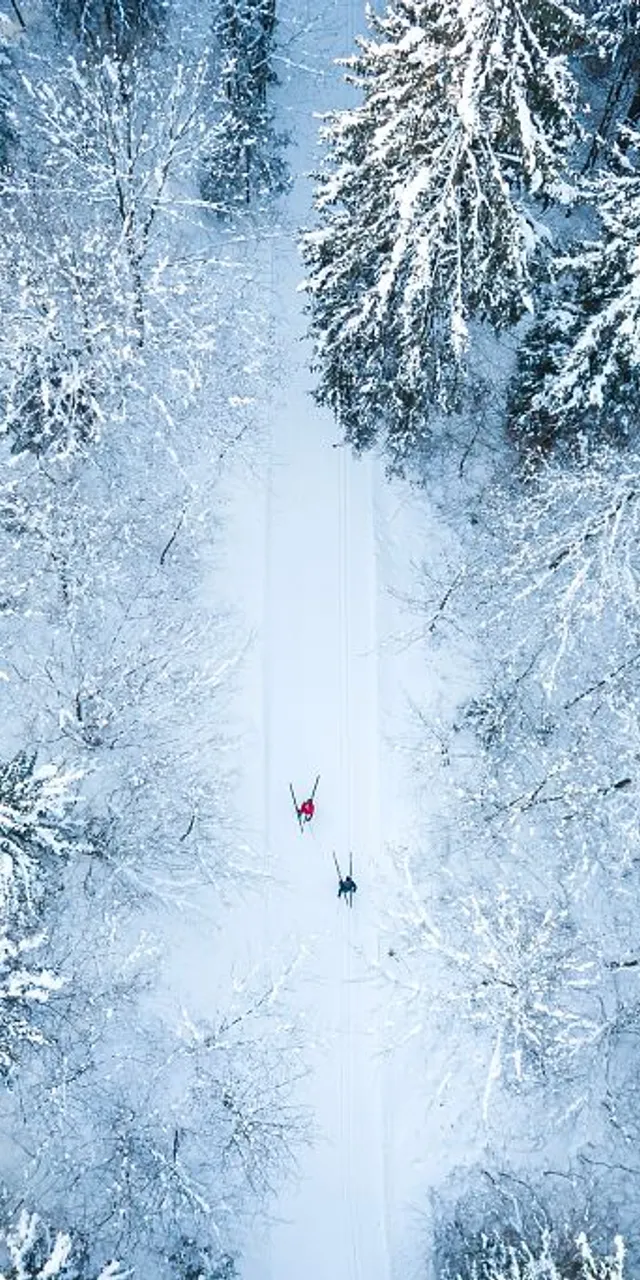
column 307, row 809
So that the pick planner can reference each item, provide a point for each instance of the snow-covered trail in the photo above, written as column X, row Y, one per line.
column 318, row 688
column 320, row 716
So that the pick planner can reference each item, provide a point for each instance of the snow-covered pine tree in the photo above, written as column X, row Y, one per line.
column 33, row 1251
column 36, row 835
column 117, row 28
column 23, row 992
column 195, row 1261
column 425, row 223
column 245, row 161
column 579, row 367
column 615, row 34
column 8, row 136
column 616, row 26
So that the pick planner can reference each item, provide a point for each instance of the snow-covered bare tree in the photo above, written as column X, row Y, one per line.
column 511, row 1255
column 107, row 599
column 244, row 163
column 156, row 1141
column 537, row 779
column 511, row 965
column 556, row 716
column 495, row 1220
column 113, row 651
column 571, row 560
column 578, row 372
column 426, row 203
column 69, row 344
column 105, row 302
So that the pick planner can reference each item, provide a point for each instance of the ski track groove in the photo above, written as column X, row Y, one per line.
column 345, row 556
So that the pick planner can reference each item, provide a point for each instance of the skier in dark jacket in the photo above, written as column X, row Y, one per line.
column 346, row 886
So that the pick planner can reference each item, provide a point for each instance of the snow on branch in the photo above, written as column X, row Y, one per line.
column 545, row 1255
column 36, row 832
column 22, row 991
column 575, row 539
column 578, row 379
column 515, row 968
column 426, row 220
column 35, row 1252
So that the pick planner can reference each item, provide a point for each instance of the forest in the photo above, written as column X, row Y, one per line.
column 469, row 268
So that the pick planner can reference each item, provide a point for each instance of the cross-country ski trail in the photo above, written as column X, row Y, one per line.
column 319, row 700
column 319, row 678
column 302, row 557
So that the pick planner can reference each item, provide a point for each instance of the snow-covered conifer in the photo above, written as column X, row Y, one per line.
column 36, row 834
column 614, row 34
column 424, row 210
column 616, row 25
column 578, row 375
column 8, row 135
column 35, row 838
column 244, row 161
column 196, row 1261
column 116, row 27
column 23, row 992
column 33, row 1251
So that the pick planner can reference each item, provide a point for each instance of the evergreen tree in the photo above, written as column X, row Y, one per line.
column 117, row 28
column 617, row 25
column 33, row 1251
column 23, row 992
column 245, row 161
column 425, row 223
column 36, row 836
column 615, row 32
column 8, row 135
column 194, row 1261
column 578, row 375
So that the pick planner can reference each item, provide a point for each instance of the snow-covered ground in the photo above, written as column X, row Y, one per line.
column 314, row 703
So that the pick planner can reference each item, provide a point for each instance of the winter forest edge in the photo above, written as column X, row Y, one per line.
column 471, row 283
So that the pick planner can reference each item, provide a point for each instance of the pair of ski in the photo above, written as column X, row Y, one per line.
column 302, row 813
